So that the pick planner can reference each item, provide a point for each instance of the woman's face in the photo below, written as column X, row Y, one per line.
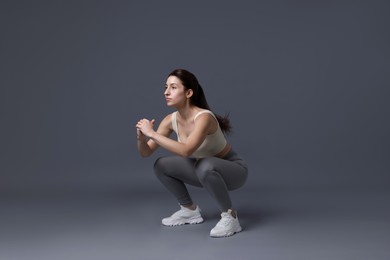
column 175, row 93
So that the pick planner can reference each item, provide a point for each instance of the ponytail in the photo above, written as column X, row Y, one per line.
column 224, row 121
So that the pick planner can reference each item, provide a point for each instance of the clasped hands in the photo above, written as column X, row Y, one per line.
column 145, row 127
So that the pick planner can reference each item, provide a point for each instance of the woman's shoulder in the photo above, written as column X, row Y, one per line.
column 204, row 112
column 170, row 116
column 167, row 120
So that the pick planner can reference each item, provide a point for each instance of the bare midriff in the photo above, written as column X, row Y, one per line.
column 224, row 152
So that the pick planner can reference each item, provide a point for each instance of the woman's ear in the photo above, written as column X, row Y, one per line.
column 189, row 93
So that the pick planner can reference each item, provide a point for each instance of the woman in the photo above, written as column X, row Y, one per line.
column 203, row 156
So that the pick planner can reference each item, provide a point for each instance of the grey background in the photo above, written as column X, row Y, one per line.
column 306, row 84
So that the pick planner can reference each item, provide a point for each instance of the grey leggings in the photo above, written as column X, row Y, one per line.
column 218, row 176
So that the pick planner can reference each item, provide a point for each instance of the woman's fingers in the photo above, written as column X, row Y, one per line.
column 145, row 126
column 140, row 122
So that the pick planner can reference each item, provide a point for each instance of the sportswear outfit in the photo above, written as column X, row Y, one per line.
column 217, row 175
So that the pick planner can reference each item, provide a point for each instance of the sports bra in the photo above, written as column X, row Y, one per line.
column 212, row 144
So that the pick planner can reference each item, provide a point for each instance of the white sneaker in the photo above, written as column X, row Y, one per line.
column 183, row 216
column 227, row 226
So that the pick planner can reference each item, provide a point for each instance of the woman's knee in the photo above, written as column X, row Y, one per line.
column 166, row 164
column 159, row 165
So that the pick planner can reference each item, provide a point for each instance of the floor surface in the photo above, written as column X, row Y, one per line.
column 278, row 224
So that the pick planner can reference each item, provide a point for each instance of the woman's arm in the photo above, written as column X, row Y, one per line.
column 145, row 147
column 194, row 140
column 142, row 145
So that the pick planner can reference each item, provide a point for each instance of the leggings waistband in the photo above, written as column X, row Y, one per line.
column 233, row 156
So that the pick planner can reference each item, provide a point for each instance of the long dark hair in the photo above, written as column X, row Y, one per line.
column 198, row 97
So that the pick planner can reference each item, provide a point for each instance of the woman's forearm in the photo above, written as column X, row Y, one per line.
column 143, row 147
column 171, row 145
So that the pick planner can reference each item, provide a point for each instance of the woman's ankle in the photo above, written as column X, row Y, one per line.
column 191, row 207
column 232, row 212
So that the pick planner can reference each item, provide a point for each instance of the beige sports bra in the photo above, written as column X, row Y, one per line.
column 213, row 143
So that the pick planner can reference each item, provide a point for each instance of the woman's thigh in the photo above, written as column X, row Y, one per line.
column 179, row 168
column 233, row 173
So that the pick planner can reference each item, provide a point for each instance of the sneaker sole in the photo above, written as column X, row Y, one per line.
column 228, row 234
column 196, row 220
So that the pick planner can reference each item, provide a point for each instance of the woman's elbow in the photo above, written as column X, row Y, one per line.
column 186, row 153
column 145, row 154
